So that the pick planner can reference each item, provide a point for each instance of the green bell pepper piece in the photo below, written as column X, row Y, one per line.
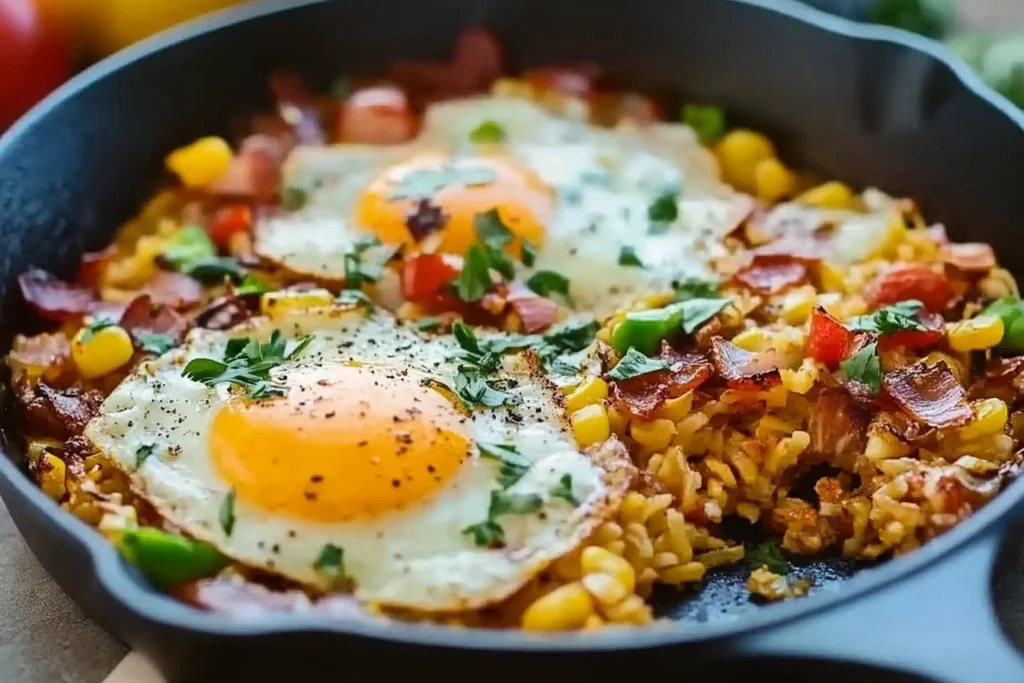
column 644, row 330
column 1011, row 311
column 169, row 560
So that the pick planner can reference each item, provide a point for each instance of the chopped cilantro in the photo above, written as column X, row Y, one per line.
column 425, row 182
column 358, row 269
column 696, row 289
column 482, row 361
column 486, row 534
column 355, row 297
column 891, row 319
column 865, row 367
column 563, row 490
column 99, row 322
column 427, row 324
column 546, row 282
column 696, row 312
column 491, row 230
column 155, row 343
column 707, row 121
column 513, row 464
column 474, row 281
column 628, row 257
column 529, row 254
column 770, row 555
column 143, row 452
column 226, row 513
column 489, row 533
column 473, row 389
column 634, row 364
column 572, row 336
column 663, row 209
column 487, row 131
column 331, row 562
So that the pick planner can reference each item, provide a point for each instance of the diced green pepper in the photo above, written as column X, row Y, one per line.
column 707, row 121
column 1011, row 311
column 644, row 330
column 169, row 560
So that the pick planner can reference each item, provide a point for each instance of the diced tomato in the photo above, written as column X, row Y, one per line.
column 911, row 282
column 425, row 275
column 230, row 221
column 828, row 342
column 916, row 339
column 379, row 115
column 573, row 81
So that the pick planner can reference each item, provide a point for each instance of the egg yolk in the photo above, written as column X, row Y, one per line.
column 461, row 188
column 346, row 441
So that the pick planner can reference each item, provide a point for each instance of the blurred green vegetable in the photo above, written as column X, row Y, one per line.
column 168, row 559
column 932, row 18
column 1011, row 311
column 999, row 60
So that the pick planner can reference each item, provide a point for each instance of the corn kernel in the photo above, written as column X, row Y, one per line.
column 604, row 588
column 831, row 195
column 675, row 409
column 690, row 572
column 597, row 559
column 832, row 279
column 989, row 418
column 796, row 305
column 589, row 391
column 750, row 340
column 655, row 435
column 590, row 425
column 99, row 352
column 975, row 334
column 51, row 478
column 801, row 380
column 567, row 607
column 884, row 446
column 739, row 153
column 773, row 181
column 276, row 303
column 200, row 163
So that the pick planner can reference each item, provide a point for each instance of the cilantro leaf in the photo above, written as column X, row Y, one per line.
column 486, row 534
column 529, row 254
column 473, row 389
column 226, row 514
column 696, row 312
column 155, row 343
column 481, row 360
column 769, row 554
column 331, row 562
column 247, row 363
column 707, row 121
column 143, row 452
column 572, row 336
column 360, row 270
column 99, row 322
column 544, row 282
column 189, row 245
column 503, row 503
column 696, row 289
column 628, row 257
column 487, row 131
column 563, row 490
column 513, row 464
column 865, row 367
column 634, row 364
column 474, row 281
column 491, row 230
column 891, row 319
column 664, row 208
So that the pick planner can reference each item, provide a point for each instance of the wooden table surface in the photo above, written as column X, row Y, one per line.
column 45, row 638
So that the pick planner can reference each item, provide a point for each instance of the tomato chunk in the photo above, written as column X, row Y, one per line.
column 828, row 342
column 425, row 275
column 911, row 282
column 379, row 116
column 229, row 221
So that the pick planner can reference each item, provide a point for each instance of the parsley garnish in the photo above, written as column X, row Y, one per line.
column 865, row 367
column 663, row 209
column 491, row 230
column 487, row 131
column 425, row 182
column 696, row 289
column 572, row 336
column 473, row 389
column 100, row 322
column 247, row 363
column 529, row 254
column 227, row 513
column 696, row 312
column 427, row 324
column 143, row 452
column 331, row 562
column 486, row 534
column 563, row 490
column 708, row 122
column 513, row 465
column 628, row 257
column 489, row 533
column 481, row 360
column 474, row 281
column 293, row 198
column 770, row 555
column 155, row 343
column 544, row 282
column 358, row 270
column 891, row 319
column 634, row 364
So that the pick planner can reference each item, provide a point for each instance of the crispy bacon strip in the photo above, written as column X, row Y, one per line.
column 174, row 289
column 55, row 299
column 930, row 394
column 92, row 266
column 838, row 426
column 58, row 413
column 771, row 276
column 742, row 369
column 536, row 312
column 642, row 396
column 144, row 316
column 970, row 257
column 255, row 172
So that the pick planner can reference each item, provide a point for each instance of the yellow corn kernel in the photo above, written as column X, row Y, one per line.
column 675, row 409
column 200, row 163
column 989, row 418
column 800, row 381
column 975, row 334
column 604, row 588
column 655, row 435
column 831, row 195
column 690, row 572
column 796, row 305
column 590, row 391
column 773, row 181
column 597, row 559
column 565, row 608
column 832, row 279
column 750, row 340
column 739, row 153
column 884, row 446
column 51, row 477
column 100, row 352
column 590, row 425
column 276, row 303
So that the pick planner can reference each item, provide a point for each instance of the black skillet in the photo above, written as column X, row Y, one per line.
column 871, row 106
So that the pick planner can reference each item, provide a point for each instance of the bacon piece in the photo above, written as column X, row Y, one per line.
column 238, row 598
column 174, row 289
column 255, row 172
column 742, row 369
column 227, row 311
column 642, row 396
column 771, row 276
column 970, row 257
column 838, row 426
column 55, row 299
column 144, row 316
column 58, row 413
column 536, row 312
column 379, row 116
column 46, row 356
column 92, row 265
column 913, row 281
column 930, row 394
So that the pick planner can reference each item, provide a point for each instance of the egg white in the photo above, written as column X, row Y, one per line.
column 417, row 558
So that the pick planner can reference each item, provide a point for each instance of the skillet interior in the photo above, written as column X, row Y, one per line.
column 871, row 112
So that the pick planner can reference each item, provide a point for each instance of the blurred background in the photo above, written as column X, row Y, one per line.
column 44, row 42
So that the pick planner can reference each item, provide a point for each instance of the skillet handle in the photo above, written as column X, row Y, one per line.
column 939, row 623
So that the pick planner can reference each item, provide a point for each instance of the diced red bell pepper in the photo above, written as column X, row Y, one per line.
column 911, row 282
column 379, row 116
column 425, row 275
column 828, row 342
column 228, row 222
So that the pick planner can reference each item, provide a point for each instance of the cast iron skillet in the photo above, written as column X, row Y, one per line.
column 871, row 106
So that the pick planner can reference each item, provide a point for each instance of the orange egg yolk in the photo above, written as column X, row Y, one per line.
column 346, row 441
column 461, row 188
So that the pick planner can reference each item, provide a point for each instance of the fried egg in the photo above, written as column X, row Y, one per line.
column 366, row 455
column 577, row 193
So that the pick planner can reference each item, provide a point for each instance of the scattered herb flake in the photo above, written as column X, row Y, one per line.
column 474, row 281
column 770, row 555
column 473, row 389
column 251, row 285
column 707, row 121
column 247, row 363
column 427, row 324
column 696, row 289
column 503, row 502
column 156, row 343
column 143, row 452
column 293, row 198
column 628, row 257
column 664, row 209
column 634, row 364
column 486, row 534
column 547, row 282
column 331, row 562
column 563, row 490
column 227, row 513
column 513, row 464
column 529, row 254
column 189, row 245
column 487, row 132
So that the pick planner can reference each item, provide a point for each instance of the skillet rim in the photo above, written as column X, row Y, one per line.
column 146, row 604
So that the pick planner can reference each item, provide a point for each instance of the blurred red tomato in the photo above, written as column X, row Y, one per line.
column 33, row 58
